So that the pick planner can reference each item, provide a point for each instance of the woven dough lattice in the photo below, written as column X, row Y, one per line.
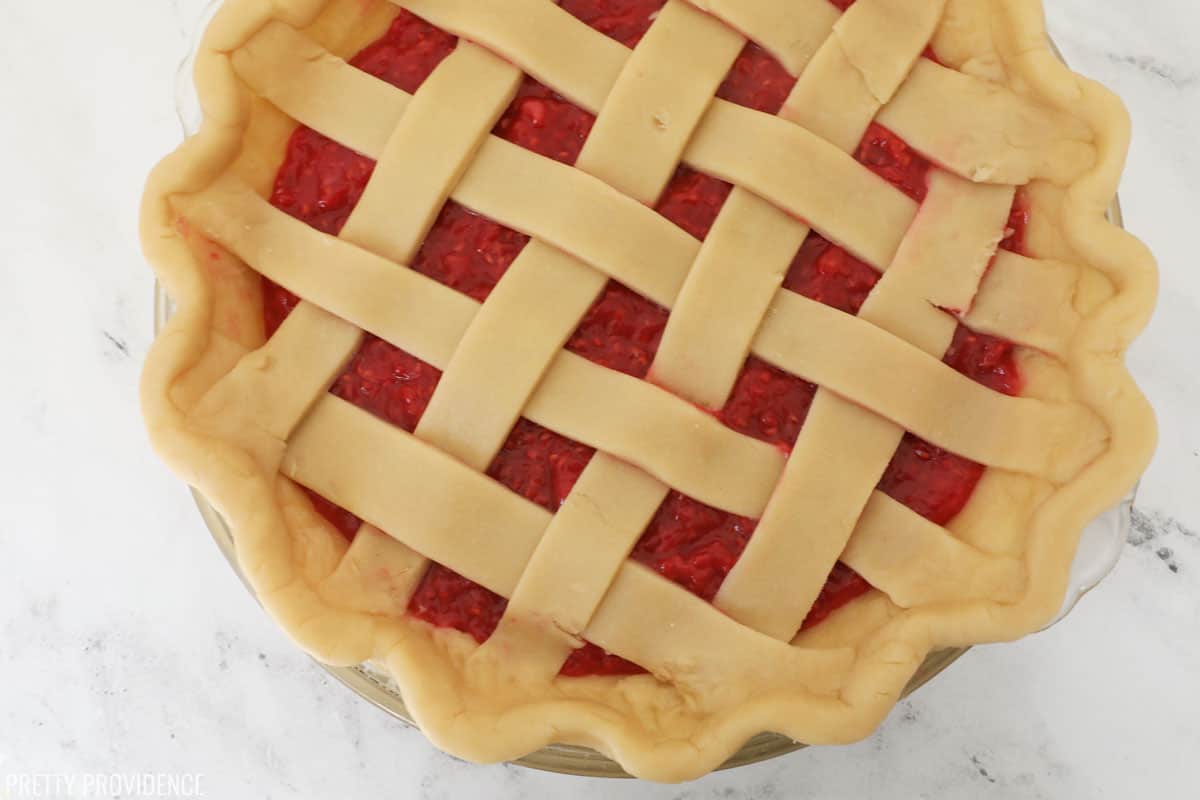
column 247, row 420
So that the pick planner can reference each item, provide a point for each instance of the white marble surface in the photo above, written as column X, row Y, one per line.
column 127, row 645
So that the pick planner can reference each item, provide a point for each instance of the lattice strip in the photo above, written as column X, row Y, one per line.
column 287, row 374
column 537, row 36
column 806, row 176
column 416, row 493
column 428, row 320
column 908, row 23
column 738, row 211
column 740, row 268
column 575, row 212
column 746, row 255
column 843, row 449
column 994, row 521
column 392, row 217
column 445, row 123
column 270, row 62
column 549, row 43
column 983, row 131
column 311, row 84
column 506, row 350
column 436, row 139
column 377, row 574
column 916, row 562
column 681, row 445
column 611, row 503
column 262, row 399
column 705, row 654
column 836, row 97
column 473, row 428
column 1028, row 301
column 411, row 311
column 639, row 422
column 584, row 547
column 660, row 97
column 508, row 183
column 1058, row 148
column 940, row 404
column 791, row 32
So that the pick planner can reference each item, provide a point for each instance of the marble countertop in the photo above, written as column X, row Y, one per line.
column 128, row 646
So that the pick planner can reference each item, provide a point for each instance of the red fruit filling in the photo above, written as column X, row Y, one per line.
column 688, row 542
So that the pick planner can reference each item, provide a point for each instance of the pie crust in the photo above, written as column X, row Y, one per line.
column 245, row 419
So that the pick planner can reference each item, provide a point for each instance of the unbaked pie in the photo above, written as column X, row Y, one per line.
column 645, row 375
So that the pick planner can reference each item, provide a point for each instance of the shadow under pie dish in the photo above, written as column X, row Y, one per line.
column 579, row 429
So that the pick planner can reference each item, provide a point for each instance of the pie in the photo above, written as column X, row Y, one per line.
column 647, row 374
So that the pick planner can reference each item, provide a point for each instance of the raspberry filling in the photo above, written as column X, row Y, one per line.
column 687, row 542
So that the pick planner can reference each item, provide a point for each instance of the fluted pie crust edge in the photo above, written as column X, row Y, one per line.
column 296, row 562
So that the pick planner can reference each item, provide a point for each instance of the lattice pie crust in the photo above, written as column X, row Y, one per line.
column 242, row 418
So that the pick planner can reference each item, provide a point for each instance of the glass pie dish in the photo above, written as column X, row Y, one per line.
column 1098, row 551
